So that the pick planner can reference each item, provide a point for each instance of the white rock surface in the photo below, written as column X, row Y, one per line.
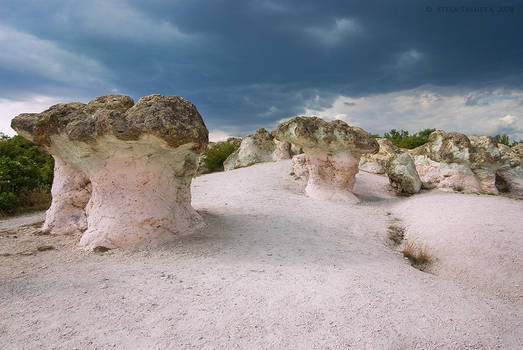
column 70, row 192
column 282, row 151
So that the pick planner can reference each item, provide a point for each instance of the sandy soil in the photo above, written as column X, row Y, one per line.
column 274, row 269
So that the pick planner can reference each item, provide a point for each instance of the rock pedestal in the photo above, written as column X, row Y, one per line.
column 138, row 158
column 332, row 151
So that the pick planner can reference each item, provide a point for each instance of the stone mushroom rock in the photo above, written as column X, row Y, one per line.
column 282, row 150
column 402, row 174
column 140, row 159
column 331, row 154
column 257, row 148
column 377, row 162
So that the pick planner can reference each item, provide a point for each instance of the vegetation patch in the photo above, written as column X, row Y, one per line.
column 26, row 176
column 217, row 153
column 417, row 254
column 396, row 234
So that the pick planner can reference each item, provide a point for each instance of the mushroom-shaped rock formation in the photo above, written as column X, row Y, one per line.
column 332, row 151
column 402, row 174
column 139, row 158
column 377, row 162
column 257, row 148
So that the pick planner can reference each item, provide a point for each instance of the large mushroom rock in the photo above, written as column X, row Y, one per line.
column 332, row 151
column 377, row 162
column 509, row 177
column 402, row 174
column 140, row 160
column 257, row 148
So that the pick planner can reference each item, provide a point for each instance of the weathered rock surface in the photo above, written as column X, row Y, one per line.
column 139, row 158
column 70, row 192
column 331, row 154
column 282, row 151
column 509, row 177
column 402, row 174
column 257, row 148
column 454, row 162
column 377, row 162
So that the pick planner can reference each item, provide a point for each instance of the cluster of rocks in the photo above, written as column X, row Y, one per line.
column 450, row 162
column 122, row 170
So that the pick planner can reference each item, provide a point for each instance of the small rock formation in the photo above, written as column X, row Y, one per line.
column 476, row 164
column 402, row 174
column 139, row 158
column 509, row 177
column 331, row 154
column 257, row 148
column 445, row 162
column 377, row 163
column 282, row 151
column 518, row 149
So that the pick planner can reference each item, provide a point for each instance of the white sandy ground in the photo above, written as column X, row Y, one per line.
column 276, row 270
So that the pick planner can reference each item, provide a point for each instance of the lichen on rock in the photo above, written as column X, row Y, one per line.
column 377, row 162
column 139, row 159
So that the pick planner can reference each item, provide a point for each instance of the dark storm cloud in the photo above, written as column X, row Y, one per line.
column 252, row 63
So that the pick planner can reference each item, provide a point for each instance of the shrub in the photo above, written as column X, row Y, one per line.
column 504, row 139
column 217, row 153
column 418, row 255
column 396, row 234
column 26, row 175
column 404, row 140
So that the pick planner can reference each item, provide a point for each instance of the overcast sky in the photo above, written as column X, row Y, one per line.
column 249, row 64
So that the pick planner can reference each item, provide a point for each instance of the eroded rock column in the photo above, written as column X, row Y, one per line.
column 139, row 159
column 332, row 151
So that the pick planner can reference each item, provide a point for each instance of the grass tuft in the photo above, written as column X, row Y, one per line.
column 418, row 255
column 396, row 234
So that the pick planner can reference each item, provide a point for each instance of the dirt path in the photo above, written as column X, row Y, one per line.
column 26, row 219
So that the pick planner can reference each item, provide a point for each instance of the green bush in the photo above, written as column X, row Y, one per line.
column 504, row 139
column 26, row 175
column 404, row 140
column 217, row 153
